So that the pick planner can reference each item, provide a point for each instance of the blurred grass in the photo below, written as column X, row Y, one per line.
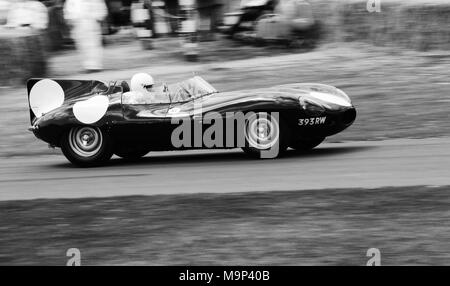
column 412, row 24
column 21, row 55
column 410, row 226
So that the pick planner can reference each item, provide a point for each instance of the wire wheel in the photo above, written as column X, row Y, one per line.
column 85, row 141
column 86, row 146
column 262, row 131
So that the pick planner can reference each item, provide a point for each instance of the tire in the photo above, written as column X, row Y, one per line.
column 265, row 136
column 86, row 146
column 131, row 154
column 306, row 144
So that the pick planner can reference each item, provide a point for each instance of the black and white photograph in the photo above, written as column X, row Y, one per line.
column 230, row 133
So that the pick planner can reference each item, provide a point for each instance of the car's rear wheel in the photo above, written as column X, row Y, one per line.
column 264, row 135
column 86, row 146
column 306, row 144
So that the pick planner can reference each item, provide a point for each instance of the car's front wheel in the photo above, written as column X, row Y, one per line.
column 86, row 146
column 265, row 135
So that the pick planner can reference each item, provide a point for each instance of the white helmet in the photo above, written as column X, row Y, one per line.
column 140, row 81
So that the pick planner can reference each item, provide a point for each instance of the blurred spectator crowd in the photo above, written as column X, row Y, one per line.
column 149, row 17
column 44, row 26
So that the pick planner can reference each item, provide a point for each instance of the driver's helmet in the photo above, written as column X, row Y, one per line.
column 142, row 82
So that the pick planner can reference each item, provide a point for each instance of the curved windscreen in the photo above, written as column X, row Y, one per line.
column 192, row 88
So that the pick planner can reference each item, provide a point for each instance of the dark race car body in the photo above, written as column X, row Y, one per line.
column 90, row 120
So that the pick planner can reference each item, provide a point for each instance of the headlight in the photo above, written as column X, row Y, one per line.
column 310, row 106
column 343, row 95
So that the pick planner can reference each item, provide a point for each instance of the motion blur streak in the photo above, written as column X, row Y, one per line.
column 344, row 165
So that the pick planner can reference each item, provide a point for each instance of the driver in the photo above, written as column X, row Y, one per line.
column 141, row 89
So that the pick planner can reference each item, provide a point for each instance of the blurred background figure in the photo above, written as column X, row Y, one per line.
column 23, row 42
column 289, row 22
column 209, row 13
column 58, row 33
column 188, row 30
column 250, row 11
column 4, row 9
column 293, row 21
column 27, row 13
column 84, row 17
column 142, row 19
column 296, row 13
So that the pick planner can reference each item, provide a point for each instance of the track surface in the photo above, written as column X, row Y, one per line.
column 370, row 164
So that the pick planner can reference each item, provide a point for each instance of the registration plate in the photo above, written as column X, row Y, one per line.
column 312, row 121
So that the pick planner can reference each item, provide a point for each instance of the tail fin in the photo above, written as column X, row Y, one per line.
column 45, row 95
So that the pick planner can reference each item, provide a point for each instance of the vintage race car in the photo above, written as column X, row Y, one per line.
column 90, row 120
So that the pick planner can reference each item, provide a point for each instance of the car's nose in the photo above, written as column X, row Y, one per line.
column 331, row 99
